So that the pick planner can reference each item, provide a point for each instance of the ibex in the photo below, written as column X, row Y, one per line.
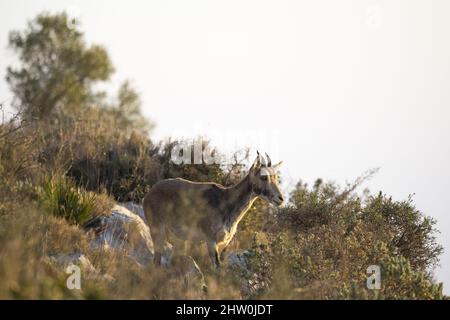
column 218, row 213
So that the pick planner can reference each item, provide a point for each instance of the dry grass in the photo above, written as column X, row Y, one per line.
column 317, row 248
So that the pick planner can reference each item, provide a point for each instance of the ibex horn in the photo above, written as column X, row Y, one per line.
column 263, row 162
column 269, row 161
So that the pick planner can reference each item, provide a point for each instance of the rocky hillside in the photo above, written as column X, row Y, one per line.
column 75, row 163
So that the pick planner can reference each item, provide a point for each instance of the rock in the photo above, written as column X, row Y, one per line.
column 124, row 231
column 251, row 283
column 238, row 260
column 80, row 260
column 77, row 258
column 166, row 256
column 135, row 208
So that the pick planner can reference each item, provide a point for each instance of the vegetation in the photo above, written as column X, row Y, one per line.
column 325, row 240
column 69, row 153
column 62, row 198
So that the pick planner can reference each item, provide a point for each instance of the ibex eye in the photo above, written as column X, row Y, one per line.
column 264, row 178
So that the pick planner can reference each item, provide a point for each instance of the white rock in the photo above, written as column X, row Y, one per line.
column 125, row 230
column 135, row 208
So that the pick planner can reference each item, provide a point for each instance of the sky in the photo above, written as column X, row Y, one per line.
column 331, row 87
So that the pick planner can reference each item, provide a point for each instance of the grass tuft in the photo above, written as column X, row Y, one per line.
column 61, row 197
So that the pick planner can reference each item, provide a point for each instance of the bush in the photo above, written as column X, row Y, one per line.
column 98, row 156
column 398, row 282
column 122, row 165
column 320, row 245
column 317, row 247
column 62, row 198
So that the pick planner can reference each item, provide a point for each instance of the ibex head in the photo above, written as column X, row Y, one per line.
column 264, row 180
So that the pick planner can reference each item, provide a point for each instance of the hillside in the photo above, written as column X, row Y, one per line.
column 76, row 164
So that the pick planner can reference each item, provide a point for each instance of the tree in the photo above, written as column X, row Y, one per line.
column 57, row 70
column 126, row 111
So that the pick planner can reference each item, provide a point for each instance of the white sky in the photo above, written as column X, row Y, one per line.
column 333, row 88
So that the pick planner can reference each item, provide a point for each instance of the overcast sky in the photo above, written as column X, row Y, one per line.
column 333, row 88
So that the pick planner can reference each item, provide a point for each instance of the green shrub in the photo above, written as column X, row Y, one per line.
column 317, row 247
column 398, row 282
column 60, row 197
column 325, row 239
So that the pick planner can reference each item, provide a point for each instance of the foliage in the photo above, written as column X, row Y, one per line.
column 74, row 127
column 399, row 281
column 127, row 166
column 58, row 68
column 98, row 158
column 125, row 112
column 60, row 197
column 317, row 247
column 28, row 238
column 195, row 172
column 326, row 238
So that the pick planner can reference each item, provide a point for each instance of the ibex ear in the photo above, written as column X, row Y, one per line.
column 277, row 166
column 257, row 163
